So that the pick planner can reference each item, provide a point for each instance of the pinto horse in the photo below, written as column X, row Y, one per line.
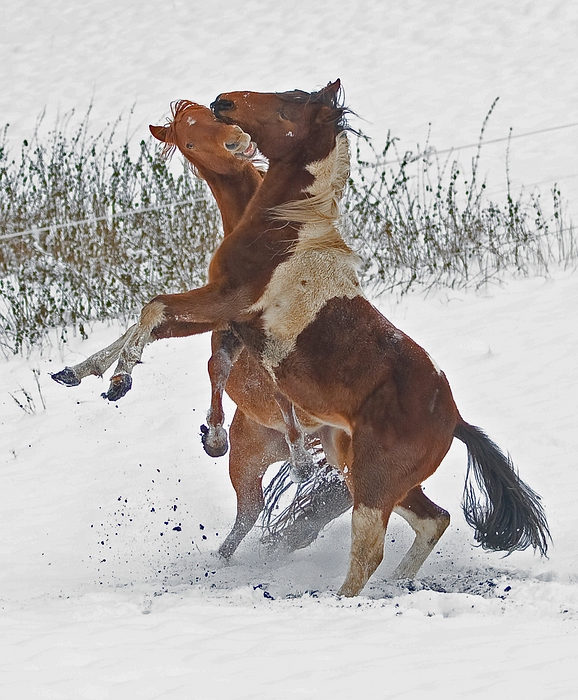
column 285, row 282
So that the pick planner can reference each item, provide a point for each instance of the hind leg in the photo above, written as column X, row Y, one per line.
column 373, row 501
column 368, row 526
column 429, row 523
column 253, row 448
column 302, row 462
column 381, row 475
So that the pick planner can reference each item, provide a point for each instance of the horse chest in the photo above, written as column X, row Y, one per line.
column 298, row 289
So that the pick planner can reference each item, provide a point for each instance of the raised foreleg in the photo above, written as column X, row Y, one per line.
column 226, row 348
column 173, row 315
column 94, row 365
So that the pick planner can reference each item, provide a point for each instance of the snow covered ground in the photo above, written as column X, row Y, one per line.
column 101, row 597
column 111, row 514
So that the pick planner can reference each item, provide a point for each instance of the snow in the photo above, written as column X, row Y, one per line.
column 405, row 64
column 100, row 596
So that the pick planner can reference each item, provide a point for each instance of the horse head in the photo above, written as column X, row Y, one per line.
column 206, row 142
column 287, row 123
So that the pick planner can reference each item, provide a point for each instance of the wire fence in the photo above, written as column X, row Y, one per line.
column 374, row 165
column 95, row 219
column 91, row 232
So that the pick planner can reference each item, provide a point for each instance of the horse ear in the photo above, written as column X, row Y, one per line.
column 333, row 87
column 329, row 99
column 159, row 132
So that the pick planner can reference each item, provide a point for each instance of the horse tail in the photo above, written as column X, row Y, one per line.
column 507, row 515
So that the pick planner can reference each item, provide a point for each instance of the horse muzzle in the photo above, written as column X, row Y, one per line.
column 219, row 106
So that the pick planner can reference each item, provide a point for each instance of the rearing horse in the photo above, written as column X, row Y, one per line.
column 221, row 154
column 285, row 281
column 339, row 359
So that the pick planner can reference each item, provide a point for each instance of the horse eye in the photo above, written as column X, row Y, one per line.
column 189, row 145
column 283, row 115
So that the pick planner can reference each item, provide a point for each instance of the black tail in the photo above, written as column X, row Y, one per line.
column 508, row 516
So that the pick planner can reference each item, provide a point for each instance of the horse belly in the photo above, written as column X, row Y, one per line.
column 252, row 388
column 351, row 360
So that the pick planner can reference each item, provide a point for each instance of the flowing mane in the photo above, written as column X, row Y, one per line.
column 321, row 210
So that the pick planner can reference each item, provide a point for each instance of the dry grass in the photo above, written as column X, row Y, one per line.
column 421, row 221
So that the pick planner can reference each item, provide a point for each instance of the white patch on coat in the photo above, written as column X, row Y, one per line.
column 367, row 538
column 298, row 290
column 432, row 403
column 434, row 363
column 191, row 121
column 321, row 267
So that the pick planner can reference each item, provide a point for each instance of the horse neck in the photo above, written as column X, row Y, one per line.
column 233, row 192
column 282, row 183
column 307, row 192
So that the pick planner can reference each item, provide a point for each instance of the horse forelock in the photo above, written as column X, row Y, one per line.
column 178, row 108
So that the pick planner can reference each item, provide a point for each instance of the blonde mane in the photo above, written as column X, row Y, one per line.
column 320, row 211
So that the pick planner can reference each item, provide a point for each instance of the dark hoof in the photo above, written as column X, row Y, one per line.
column 66, row 376
column 120, row 384
column 214, row 441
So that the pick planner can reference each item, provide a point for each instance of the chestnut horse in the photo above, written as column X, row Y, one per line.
column 285, row 281
column 222, row 155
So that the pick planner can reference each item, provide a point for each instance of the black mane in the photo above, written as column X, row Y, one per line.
column 329, row 98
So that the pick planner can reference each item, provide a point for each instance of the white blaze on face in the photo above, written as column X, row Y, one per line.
column 321, row 267
column 191, row 121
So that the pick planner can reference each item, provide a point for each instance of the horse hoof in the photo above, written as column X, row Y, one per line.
column 214, row 441
column 302, row 468
column 120, row 384
column 66, row 376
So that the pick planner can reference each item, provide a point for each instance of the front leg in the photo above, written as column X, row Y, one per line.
column 120, row 383
column 226, row 349
column 173, row 315
column 253, row 448
column 94, row 365
column 302, row 463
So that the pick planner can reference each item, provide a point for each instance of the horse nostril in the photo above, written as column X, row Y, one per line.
column 220, row 105
column 232, row 146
